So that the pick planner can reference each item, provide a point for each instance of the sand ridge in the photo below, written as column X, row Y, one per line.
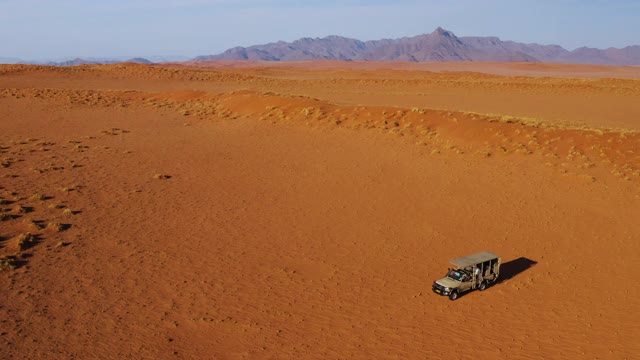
column 573, row 151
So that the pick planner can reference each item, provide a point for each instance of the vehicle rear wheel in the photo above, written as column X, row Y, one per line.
column 453, row 295
column 483, row 286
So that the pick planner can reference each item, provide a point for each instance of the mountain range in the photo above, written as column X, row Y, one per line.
column 440, row 45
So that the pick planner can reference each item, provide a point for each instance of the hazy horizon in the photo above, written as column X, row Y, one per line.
column 43, row 30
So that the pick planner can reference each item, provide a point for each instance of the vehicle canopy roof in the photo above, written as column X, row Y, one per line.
column 474, row 259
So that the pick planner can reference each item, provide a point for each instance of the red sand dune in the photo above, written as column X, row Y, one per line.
column 303, row 211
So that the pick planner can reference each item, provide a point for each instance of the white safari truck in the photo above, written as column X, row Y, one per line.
column 476, row 271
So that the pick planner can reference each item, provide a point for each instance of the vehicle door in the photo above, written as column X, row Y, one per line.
column 467, row 282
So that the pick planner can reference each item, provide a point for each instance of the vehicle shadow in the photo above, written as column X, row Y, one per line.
column 511, row 269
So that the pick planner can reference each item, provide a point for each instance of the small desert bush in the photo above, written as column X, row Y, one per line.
column 54, row 206
column 37, row 197
column 24, row 241
column 31, row 224
column 55, row 226
column 8, row 262
column 19, row 209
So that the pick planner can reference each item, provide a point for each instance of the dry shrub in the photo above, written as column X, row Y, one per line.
column 161, row 176
column 55, row 226
column 8, row 262
column 19, row 209
column 25, row 241
column 31, row 224
column 54, row 206
column 67, row 212
column 587, row 178
column 37, row 197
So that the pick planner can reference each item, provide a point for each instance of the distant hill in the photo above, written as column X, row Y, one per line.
column 440, row 45
column 80, row 61
column 76, row 61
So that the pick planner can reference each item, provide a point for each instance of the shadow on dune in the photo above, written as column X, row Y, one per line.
column 511, row 269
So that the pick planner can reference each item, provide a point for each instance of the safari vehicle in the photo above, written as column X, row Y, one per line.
column 476, row 271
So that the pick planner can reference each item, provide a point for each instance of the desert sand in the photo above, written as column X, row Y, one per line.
column 290, row 211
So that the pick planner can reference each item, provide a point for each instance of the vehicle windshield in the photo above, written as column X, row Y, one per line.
column 455, row 275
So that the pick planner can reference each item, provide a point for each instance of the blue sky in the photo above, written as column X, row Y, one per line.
column 46, row 29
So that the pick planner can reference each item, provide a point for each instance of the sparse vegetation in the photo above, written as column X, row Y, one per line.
column 55, row 226
column 31, row 224
column 19, row 209
column 37, row 197
column 54, row 206
column 8, row 262
column 24, row 241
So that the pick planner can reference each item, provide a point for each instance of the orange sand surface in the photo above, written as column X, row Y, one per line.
column 252, row 210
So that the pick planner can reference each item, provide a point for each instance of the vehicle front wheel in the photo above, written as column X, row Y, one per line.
column 483, row 286
column 453, row 295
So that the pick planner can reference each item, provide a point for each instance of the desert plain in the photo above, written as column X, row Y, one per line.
column 246, row 210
